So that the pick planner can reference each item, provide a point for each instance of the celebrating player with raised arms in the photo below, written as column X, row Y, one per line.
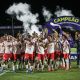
column 50, row 53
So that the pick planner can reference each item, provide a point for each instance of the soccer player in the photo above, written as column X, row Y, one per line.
column 7, row 56
column 22, row 53
column 18, row 54
column 50, row 54
column 29, row 56
column 14, row 51
column 66, row 56
column 58, row 53
column 40, row 55
column 7, row 52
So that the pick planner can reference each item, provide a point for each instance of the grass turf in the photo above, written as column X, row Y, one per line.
column 72, row 74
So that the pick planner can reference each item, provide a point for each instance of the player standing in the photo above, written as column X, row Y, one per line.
column 66, row 56
column 40, row 55
column 50, row 54
column 29, row 56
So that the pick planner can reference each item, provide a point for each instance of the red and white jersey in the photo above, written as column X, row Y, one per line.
column 50, row 48
column 2, row 47
column 7, row 46
column 40, row 50
column 65, row 46
column 30, row 49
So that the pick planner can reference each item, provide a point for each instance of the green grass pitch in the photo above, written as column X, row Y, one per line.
column 72, row 74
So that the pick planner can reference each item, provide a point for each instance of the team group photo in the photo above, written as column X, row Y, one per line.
column 39, row 40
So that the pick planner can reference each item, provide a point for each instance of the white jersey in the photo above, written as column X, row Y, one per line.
column 30, row 49
column 2, row 47
column 40, row 50
column 65, row 47
column 51, row 47
column 7, row 46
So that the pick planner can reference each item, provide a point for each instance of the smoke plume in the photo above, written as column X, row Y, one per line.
column 47, row 14
column 23, row 13
column 63, row 12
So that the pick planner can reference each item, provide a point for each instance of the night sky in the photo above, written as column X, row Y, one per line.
column 36, row 7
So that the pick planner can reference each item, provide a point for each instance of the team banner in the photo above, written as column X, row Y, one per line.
column 69, row 21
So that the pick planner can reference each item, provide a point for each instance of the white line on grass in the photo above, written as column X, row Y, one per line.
column 3, row 73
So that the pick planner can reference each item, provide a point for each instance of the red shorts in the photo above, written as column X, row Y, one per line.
column 16, row 56
column 40, row 56
column 1, row 55
column 57, row 52
column 6, row 56
column 28, row 56
column 66, row 55
column 50, row 56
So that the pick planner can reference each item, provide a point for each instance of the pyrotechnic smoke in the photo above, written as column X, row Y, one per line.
column 47, row 14
column 63, row 12
column 24, row 14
